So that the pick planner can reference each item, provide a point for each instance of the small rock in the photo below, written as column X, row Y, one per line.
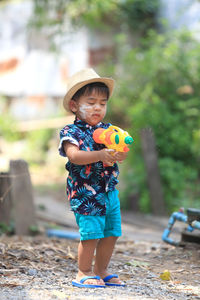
column 151, row 275
column 32, row 272
column 177, row 261
column 155, row 246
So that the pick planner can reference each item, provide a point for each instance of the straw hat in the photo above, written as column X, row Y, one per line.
column 82, row 78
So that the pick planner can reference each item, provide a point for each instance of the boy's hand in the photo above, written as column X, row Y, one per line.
column 105, row 155
column 120, row 156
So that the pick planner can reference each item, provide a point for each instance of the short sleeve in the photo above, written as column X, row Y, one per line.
column 67, row 134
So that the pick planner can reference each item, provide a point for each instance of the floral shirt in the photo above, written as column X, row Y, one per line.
column 87, row 184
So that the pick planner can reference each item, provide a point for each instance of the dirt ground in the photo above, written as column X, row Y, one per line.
column 42, row 268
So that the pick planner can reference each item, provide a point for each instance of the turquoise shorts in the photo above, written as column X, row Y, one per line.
column 98, row 227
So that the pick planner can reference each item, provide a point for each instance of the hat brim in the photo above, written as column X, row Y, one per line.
column 109, row 82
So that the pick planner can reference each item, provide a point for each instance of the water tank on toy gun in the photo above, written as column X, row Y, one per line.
column 113, row 138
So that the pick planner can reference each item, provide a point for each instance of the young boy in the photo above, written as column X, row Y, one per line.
column 92, row 178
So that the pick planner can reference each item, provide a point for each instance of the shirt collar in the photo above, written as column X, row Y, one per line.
column 84, row 125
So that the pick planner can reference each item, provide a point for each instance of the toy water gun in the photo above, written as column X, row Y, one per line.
column 113, row 138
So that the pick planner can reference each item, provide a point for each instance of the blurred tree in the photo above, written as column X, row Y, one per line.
column 109, row 15
column 159, row 89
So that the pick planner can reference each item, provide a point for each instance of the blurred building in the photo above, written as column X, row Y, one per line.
column 31, row 76
column 181, row 14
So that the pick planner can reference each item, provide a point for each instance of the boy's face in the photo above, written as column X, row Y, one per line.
column 90, row 108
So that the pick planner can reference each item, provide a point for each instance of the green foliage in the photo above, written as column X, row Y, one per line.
column 38, row 143
column 49, row 13
column 8, row 128
column 53, row 13
column 7, row 229
column 34, row 230
column 159, row 88
column 94, row 14
column 8, row 125
column 114, row 15
column 140, row 15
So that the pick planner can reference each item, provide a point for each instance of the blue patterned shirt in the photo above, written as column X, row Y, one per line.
column 87, row 184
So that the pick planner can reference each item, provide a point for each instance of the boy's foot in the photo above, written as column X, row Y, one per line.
column 110, row 278
column 95, row 280
column 113, row 280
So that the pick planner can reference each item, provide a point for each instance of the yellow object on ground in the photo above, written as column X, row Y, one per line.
column 165, row 275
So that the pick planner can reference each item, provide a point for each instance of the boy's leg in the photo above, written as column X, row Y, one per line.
column 104, row 252
column 85, row 256
column 90, row 228
column 112, row 231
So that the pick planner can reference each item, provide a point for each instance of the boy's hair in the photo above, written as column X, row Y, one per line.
column 99, row 87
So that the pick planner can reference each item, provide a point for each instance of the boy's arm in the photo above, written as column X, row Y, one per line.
column 80, row 157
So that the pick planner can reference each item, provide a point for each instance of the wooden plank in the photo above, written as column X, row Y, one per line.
column 153, row 175
column 22, row 197
column 5, row 198
column 45, row 124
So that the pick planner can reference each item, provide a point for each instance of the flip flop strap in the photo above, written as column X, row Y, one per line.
column 89, row 277
column 107, row 278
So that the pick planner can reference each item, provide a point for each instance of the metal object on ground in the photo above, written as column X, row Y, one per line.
column 192, row 219
column 63, row 234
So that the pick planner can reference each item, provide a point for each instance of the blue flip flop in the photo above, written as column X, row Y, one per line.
column 81, row 284
column 107, row 278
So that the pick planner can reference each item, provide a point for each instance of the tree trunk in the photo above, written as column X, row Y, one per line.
column 153, row 175
column 22, row 197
